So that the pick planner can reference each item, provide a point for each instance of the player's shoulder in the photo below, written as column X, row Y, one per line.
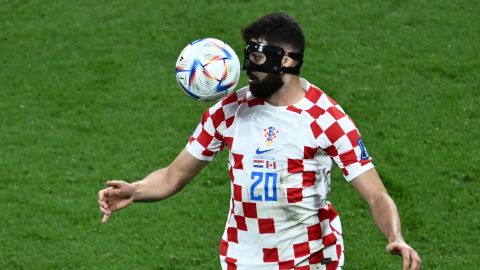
column 318, row 97
column 238, row 97
column 232, row 102
column 327, row 116
column 226, row 108
column 317, row 104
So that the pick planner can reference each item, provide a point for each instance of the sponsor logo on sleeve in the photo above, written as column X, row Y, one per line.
column 363, row 150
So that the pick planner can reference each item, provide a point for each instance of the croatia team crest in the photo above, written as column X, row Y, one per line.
column 270, row 135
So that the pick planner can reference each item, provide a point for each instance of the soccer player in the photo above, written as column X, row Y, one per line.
column 283, row 134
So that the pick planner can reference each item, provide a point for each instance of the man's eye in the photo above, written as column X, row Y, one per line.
column 257, row 58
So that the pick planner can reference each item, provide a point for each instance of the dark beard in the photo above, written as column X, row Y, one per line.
column 268, row 86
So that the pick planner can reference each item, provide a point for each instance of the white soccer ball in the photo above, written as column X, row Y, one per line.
column 208, row 69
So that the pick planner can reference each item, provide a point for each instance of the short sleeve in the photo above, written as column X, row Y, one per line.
column 206, row 141
column 344, row 144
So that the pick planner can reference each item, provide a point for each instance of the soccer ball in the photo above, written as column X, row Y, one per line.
column 208, row 69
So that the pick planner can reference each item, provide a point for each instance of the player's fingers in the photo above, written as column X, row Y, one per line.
column 103, row 207
column 101, row 195
column 103, row 204
column 104, row 211
column 114, row 183
column 406, row 259
column 102, row 200
column 105, row 218
column 416, row 262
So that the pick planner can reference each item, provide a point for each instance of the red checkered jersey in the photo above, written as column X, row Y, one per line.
column 279, row 164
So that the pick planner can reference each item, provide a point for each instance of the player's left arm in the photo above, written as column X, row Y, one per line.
column 385, row 215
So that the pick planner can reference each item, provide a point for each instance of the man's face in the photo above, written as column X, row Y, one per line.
column 262, row 85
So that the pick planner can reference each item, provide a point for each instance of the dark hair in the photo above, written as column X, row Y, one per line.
column 278, row 29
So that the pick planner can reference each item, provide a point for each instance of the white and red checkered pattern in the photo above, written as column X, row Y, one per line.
column 279, row 214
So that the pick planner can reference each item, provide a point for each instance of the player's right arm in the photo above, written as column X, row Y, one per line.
column 156, row 186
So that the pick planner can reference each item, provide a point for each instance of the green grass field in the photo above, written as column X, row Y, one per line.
column 88, row 94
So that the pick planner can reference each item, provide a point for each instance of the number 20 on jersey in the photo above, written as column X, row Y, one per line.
column 267, row 180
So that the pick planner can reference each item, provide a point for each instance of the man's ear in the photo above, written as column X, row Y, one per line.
column 288, row 62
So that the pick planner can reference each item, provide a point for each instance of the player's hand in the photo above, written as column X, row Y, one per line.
column 118, row 195
column 411, row 260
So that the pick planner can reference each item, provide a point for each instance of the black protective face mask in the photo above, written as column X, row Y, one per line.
column 267, row 86
column 268, row 59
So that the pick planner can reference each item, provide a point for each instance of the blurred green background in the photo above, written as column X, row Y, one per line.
column 88, row 93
